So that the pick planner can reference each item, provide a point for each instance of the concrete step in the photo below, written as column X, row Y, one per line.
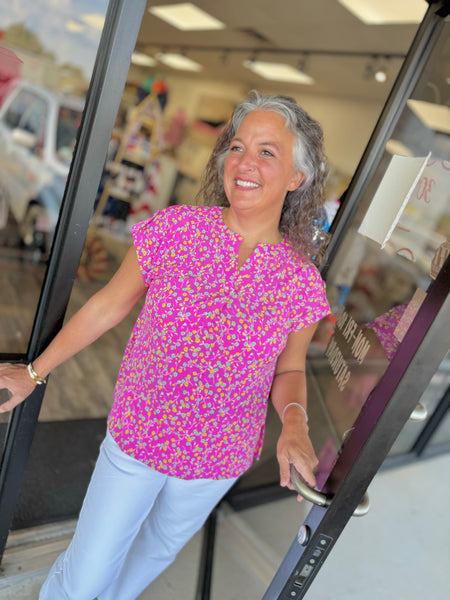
column 28, row 556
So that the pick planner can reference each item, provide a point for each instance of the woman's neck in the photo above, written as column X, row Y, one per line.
column 253, row 231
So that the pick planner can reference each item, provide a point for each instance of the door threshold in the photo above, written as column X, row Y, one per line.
column 30, row 552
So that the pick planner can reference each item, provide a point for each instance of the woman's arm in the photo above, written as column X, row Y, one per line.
column 101, row 312
column 289, row 391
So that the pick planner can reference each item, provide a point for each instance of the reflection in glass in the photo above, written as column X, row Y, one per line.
column 49, row 53
column 430, row 399
column 375, row 290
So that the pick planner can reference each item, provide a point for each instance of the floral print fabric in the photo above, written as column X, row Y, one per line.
column 191, row 395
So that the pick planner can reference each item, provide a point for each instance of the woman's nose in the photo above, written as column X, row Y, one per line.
column 247, row 160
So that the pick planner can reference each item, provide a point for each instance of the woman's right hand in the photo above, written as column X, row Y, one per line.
column 16, row 379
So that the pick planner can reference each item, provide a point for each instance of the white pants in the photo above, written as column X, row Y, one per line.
column 133, row 523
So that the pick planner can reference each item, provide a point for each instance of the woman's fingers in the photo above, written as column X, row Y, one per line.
column 285, row 474
column 9, row 404
column 304, row 466
column 15, row 379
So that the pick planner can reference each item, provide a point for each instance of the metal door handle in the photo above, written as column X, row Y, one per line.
column 320, row 499
column 420, row 413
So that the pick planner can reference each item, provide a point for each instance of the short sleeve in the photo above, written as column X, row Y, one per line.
column 309, row 300
column 148, row 237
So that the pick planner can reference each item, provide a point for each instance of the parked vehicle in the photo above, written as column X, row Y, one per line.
column 38, row 130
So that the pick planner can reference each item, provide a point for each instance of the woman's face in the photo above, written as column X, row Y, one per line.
column 258, row 169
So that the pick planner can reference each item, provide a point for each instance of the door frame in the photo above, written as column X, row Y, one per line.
column 379, row 423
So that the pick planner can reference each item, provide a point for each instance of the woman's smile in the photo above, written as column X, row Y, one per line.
column 246, row 184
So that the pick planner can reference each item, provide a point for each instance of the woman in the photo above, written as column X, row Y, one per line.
column 231, row 305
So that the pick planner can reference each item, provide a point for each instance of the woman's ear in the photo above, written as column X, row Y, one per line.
column 296, row 181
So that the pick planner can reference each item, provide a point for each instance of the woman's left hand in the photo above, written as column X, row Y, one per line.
column 294, row 448
column 289, row 389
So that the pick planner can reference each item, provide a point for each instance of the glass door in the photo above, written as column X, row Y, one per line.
column 388, row 255
column 381, row 357
column 64, row 63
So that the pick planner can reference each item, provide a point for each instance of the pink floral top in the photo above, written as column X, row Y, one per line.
column 191, row 394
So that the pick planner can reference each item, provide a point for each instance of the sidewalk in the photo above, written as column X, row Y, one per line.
column 399, row 551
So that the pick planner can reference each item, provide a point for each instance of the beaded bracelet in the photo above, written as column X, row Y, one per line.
column 34, row 376
column 293, row 404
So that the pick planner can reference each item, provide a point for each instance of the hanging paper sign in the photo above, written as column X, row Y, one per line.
column 391, row 197
column 417, row 231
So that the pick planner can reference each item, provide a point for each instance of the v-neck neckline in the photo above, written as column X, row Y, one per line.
column 238, row 240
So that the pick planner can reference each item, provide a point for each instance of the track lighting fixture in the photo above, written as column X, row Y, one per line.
column 376, row 69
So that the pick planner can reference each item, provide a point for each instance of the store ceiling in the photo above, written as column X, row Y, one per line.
column 337, row 46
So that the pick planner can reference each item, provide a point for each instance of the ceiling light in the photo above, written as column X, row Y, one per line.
column 142, row 60
column 278, row 72
column 179, row 61
column 433, row 116
column 383, row 12
column 376, row 69
column 186, row 16
column 380, row 75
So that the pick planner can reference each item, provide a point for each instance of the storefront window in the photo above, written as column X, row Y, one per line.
column 47, row 57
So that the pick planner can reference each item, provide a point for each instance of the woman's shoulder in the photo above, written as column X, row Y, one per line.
column 188, row 213
column 174, row 223
column 299, row 266
column 294, row 258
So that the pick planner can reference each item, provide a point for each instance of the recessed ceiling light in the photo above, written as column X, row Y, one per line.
column 179, row 61
column 384, row 12
column 278, row 72
column 186, row 16
column 142, row 60
column 433, row 116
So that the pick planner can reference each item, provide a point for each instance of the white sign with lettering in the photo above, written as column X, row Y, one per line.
column 391, row 197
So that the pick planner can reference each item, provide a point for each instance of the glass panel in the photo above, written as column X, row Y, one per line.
column 99, row 363
column 51, row 48
column 386, row 261
column 430, row 400
column 44, row 78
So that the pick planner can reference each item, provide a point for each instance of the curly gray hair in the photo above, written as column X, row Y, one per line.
column 301, row 208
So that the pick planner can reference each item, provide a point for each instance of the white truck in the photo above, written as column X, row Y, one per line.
column 38, row 130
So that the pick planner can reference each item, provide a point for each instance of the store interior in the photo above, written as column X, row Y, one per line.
column 164, row 131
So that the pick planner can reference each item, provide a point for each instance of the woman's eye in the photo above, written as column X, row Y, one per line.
column 235, row 148
column 267, row 153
